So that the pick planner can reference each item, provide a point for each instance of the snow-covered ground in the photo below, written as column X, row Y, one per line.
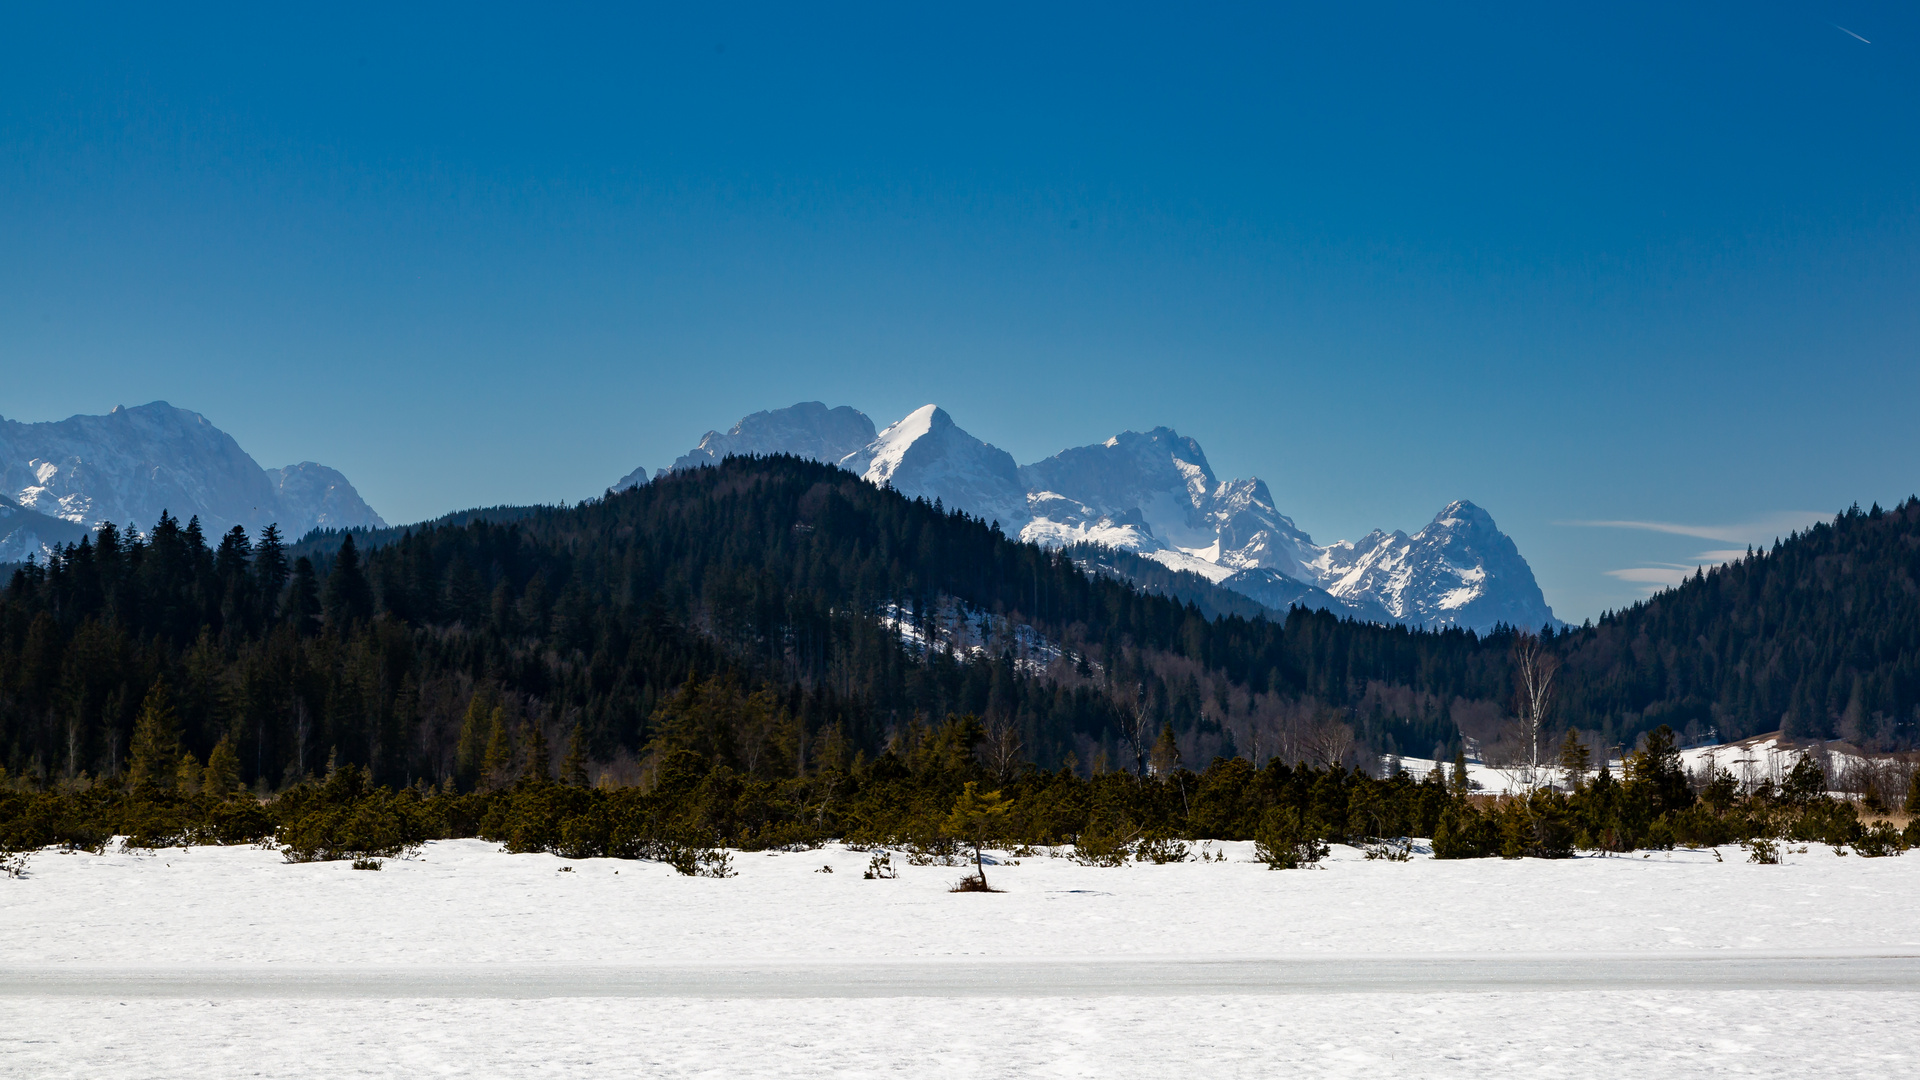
column 1750, row 761
column 605, row 949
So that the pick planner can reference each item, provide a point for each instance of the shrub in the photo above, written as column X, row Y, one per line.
column 1161, row 850
column 1391, row 850
column 1465, row 833
column 1287, row 840
column 972, row 883
column 1881, row 840
column 1106, row 841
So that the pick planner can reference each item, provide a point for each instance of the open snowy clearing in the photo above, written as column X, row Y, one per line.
column 468, row 961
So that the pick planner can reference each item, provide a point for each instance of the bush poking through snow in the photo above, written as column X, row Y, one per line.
column 1879, row 841
column 1286, row 840
column 1763, row 851
column 880, row 868
column 1105, row 842
column 1400, row 850
column 366, row 864
column 695, row 861
column 13, row 864
column 1161, row 850
column 973, row 883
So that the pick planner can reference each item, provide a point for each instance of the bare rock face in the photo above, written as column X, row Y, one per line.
column 809, row 430
column 1154, row 494
column 129, row 465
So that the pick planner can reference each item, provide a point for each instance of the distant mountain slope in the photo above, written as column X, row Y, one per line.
column 25, row 532
column 926, row 456
column 129, row 465
column 1155, row 495
column 809, row 430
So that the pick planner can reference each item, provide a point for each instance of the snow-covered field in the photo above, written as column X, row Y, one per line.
column 467, row 961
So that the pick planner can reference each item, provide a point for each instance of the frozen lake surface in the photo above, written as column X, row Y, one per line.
column 470, row 962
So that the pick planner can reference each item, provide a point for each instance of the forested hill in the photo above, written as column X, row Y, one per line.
column 774, row 572
column 796, row 603
column 1819, row 637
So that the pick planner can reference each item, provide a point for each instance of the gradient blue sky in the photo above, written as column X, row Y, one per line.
column 1646, row 265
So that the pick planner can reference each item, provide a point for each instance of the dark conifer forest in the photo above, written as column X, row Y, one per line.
column 753, row 646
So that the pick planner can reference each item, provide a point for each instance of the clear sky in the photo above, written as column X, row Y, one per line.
column 1650, row 265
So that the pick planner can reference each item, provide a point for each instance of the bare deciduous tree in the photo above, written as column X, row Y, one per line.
column 1533, row 671
column 1000, row 750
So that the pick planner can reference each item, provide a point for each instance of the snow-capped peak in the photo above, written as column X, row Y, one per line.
column 130, row 464
column 1155, row 494
column 882, row 456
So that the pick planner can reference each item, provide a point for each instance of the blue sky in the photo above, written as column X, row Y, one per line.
column 1651, row 266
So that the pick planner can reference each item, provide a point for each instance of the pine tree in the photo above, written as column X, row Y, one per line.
column 574, row 769
column 303, row 599
column 349, row 598
column 1575, row 759
column 155, row 749
column 498, row 762
column 222, row 777
column 538, row 769
column 1166, row 753
column 476, row 731
column 186, row 775
column 1461, row 785
column 1913, row 797
column 270, row 568
column 975, row 819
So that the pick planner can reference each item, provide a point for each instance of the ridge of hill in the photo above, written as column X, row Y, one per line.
column 864, row 611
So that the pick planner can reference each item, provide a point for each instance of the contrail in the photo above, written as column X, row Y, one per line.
column 1849, row 33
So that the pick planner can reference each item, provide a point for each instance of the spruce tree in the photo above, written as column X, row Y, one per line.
column 574, row 769
column 303, row 599
column 1575, row 759
column 476, row 731
column 975, row 819
column 270, row 569
column 154, row 752
column 497, row 764
column 538, row 769
column 348, row 598
column 1166, row 753
column 1461, row 785
column 222, row 777
column 186, row 775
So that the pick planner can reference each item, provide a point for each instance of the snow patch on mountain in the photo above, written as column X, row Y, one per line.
column 28, row 534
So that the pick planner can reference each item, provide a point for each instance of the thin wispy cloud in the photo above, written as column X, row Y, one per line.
column 1759, row 531
column 1850, row 33
column 1651, row 577
column 1656, row 577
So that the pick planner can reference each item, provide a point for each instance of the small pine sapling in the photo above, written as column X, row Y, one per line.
column 976, row 818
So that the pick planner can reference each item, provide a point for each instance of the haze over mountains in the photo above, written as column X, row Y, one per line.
column 59, row 478
column 1154, row 493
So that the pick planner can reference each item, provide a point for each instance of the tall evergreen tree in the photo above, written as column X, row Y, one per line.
column 349, row 597
column 154, row 753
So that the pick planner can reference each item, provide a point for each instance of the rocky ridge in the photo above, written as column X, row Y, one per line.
column 1154, row 494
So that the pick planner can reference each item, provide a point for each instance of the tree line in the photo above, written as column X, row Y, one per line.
column 856, row 611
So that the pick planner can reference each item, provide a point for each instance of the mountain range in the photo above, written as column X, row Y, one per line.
column 59, row 478
column 1155, row 495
